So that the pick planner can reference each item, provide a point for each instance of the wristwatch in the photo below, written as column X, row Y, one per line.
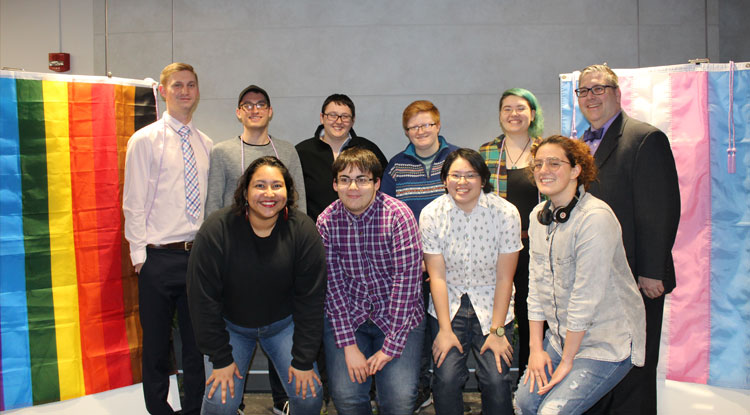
column 498, row 331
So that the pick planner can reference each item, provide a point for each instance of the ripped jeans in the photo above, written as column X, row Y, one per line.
column 586, row 383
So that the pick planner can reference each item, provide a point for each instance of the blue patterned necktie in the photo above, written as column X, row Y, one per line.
column 192, row 191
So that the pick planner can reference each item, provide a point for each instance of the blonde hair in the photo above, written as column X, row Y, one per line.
column 608, row 73
column 173, row 68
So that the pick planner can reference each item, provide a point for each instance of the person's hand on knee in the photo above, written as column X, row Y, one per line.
column 302, row 380
column 501, row 348
column 223, row 377
column 444, row 342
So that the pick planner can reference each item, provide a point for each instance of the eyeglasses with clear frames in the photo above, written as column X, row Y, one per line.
column 362, row 181
column 333, row 117
column 248, row 106
column 509, row 110
column 553, row 163
column 416, row 128
column 596, row 90
column 468, row 176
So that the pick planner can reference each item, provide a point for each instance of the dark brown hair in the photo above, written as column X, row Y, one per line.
column 365, row 160
column 474, row 159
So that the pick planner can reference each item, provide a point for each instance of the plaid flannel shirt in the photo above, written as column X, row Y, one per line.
column 374, row 271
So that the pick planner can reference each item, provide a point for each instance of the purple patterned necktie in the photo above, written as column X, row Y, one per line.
column 192, row 191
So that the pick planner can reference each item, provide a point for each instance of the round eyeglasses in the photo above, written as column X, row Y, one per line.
column 553, row 163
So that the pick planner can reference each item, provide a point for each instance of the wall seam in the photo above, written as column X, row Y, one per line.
column 638, row 30
column 705, row 28
column 172, row 41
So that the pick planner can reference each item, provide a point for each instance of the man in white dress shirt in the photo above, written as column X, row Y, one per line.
column 166, row 171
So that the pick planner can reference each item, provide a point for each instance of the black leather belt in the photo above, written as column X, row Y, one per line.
column 177, row 246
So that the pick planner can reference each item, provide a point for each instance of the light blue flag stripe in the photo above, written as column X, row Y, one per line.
column 14, row 329
column 729, row 361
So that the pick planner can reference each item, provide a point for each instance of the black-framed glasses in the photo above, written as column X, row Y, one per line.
column 468, row 176
column 596, row 90
column 333, row 117
column 248, row 106
column 553, row 163
column 361, row 181
column 416, row 128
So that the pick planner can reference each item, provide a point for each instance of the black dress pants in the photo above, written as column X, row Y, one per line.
column 161, row 291
column 521, row 308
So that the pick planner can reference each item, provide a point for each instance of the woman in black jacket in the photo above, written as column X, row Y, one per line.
column 257, row 274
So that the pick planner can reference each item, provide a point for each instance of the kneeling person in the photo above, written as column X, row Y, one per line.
column 257, row 275
column 580, row 283
column 374, row 313
column 471, row 242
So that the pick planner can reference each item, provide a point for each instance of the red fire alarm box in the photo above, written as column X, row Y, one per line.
column 59, row 62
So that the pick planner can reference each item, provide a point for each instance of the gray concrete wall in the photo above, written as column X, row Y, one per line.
column 734, row 36
column 30, row 29
column 385, row 54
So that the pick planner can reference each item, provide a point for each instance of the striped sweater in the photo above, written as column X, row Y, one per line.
column 407, row 179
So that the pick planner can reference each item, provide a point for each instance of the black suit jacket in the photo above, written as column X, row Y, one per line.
column 638, row 179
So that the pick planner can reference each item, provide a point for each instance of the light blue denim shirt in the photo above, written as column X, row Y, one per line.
column 579, row 279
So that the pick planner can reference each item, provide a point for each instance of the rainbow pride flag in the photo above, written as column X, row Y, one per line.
column 68, row 294
column 705, row 111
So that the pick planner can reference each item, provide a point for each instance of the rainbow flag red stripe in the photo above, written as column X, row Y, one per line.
column 68, row 295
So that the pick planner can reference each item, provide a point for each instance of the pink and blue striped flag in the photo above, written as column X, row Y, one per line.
column 705, row 111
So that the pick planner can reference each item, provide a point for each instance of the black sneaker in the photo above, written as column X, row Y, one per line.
column 424, row 399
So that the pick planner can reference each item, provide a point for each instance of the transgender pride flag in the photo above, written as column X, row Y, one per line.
column 705, row 111
column 68, row 294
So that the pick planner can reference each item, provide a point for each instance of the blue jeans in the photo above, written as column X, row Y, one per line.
column 396, row 383
column 450, row 377
column 586, row 383
column 276, row 340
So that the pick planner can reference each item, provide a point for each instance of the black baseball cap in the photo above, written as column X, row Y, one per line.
column 253, row 88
